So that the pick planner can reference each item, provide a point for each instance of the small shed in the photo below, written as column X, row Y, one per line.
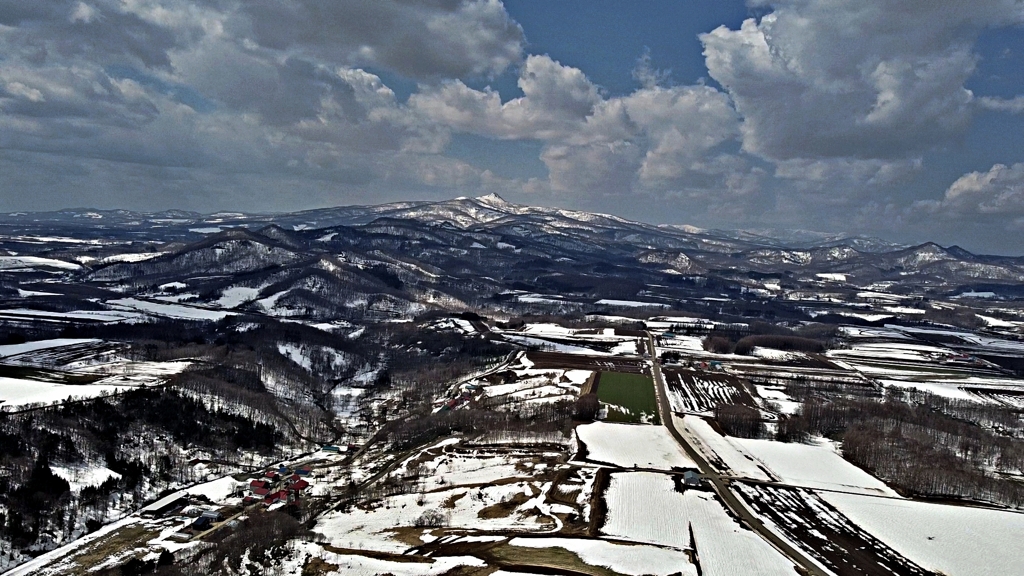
column 691, row 479
column 202, row 523
column 213, row 515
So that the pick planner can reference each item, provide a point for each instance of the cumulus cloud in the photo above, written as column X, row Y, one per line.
column 654, row 138
column 998, row 191
column 556, row 101
column 238, row 87
column 424, row 40
column 682, row 125
column 847, row 78
column 821, row 115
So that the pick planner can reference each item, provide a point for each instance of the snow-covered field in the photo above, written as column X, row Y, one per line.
column 357, row 565
column 871, row 332
column 622, row 558
column 630, row 304
column 630, row 445
column 83, row 476
column 7, row 350
column 812, row 466
column 459, row 484
column 979, row 340
column 532, row 384
column 552, row 346
column 946, row 389
column 777, row 355
column 777, row 396
column 719, row 449
column 105, row 371
column 645, row 507
column 168, row 310
column 27, row 262
column 19, row 392
column 235, row 296
column 956, row 540
column 599, row 341
column 903, row 351
column 73, row 315
column 130, row 257
column 682, row 343
column 701, row 392
column 627, row 348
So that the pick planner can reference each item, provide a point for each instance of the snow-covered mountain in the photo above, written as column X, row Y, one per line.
column 460, row 248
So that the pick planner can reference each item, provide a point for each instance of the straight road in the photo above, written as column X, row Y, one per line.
column 720, row 482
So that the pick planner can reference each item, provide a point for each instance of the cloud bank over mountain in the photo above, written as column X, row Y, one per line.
column 835, row 115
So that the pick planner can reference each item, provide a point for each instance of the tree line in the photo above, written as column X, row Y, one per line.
column 921, row 444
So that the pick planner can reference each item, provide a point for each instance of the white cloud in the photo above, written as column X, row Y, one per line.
column 176, row 83
column 682, row 124
column 423, row 40
column 556, row 101
column 825, row 111
column 848, row 78
column 653, row 138
column 998, row 191
column 841, row 175
column 1013, row 105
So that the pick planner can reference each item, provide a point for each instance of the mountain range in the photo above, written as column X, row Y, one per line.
column 393, row 258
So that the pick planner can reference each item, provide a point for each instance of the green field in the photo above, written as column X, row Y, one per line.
column 628, row 397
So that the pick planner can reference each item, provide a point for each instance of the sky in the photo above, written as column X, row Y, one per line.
column 902, row 119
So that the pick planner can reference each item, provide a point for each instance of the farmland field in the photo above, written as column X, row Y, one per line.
column 956, row 540
column 827, row 534
column 693, row 391
column 561, row 360
column 816, row 465
column 622, row 558
column 630, row 446
column 629, row 397
column 647, row 507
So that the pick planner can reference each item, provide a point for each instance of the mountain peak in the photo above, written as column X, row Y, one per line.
column 493, row 200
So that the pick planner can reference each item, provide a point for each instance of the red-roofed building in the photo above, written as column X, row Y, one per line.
column 261, row 491
column 298, row 486
column 259, row 484
column 279, row 496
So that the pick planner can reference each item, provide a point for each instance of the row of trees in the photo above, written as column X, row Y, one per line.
column 741, row 421
column 746, row 345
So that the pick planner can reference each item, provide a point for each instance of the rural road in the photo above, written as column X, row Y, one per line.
column 719, row 482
